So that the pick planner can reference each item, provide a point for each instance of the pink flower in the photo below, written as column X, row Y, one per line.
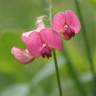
column 66, row 23
column 39, row 42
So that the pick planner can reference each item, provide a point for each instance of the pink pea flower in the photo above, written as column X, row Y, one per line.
column 67, row 24
column 39, row 42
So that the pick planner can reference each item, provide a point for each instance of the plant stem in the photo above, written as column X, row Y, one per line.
column 54, row 53
column 57, row 72
column 86, row 43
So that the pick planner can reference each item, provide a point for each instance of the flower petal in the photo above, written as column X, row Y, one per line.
column 59, row 21
column 23, row 56
column 25, row 36
column 52, row 38
column 34, row 43
column 72, row 20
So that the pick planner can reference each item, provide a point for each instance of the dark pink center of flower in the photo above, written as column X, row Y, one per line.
column 68, row 33
column 46, row 52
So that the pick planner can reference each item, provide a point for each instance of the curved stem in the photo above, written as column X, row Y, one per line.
column 87, row 44
column 85, row 36
column 54, row 53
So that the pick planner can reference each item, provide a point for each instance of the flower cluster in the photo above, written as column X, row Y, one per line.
column 42, row 40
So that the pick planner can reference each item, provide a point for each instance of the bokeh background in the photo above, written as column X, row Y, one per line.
column 39, row 78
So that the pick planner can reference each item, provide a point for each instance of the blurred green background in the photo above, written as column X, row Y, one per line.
column 39, row 78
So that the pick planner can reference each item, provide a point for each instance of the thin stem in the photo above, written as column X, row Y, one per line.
column 57, row 72
column 86, row 43
column 54, row 53
column 85, row 36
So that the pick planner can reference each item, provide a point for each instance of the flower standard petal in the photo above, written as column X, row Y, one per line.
column 34, row 43
column 59, row 21
column 23, row 56
column 72, row 21
column 51, row 38
column 25, row 35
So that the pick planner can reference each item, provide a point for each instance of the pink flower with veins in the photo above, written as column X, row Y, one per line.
column 66, row 23
column 39, row 42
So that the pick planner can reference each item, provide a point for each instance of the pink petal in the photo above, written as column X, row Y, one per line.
column 59, row 21
column 23, row 56
column 25, row 36
column 34, row 43
column 72, row 20
column 51, row 38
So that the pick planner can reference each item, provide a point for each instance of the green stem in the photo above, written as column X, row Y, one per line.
column 86, row 43
column 57, row 72
column 54, row 53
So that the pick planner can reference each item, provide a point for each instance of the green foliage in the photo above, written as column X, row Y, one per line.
column 39, row 78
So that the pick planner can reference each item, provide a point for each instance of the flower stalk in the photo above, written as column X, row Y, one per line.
column 57, row 72
column 54, row 52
